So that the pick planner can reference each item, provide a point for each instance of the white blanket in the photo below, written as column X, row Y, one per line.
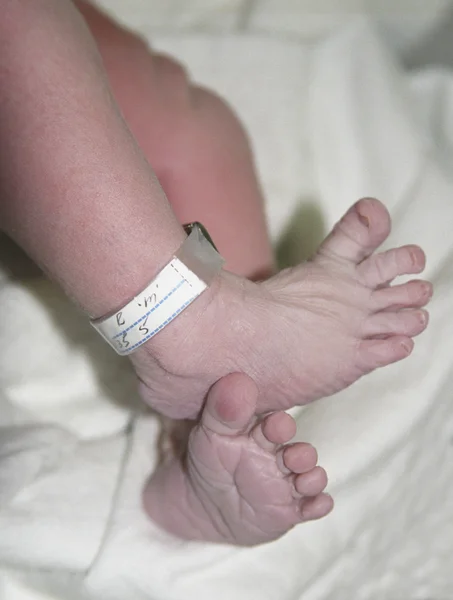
column 330, row 123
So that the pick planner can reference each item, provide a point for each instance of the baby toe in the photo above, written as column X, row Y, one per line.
column 297, row 458
column 279, row 428
column 311, row 483
column 384, row 267
column 405, row 322
column 317, row 507
column 376, row 353
column 274, row 429
column 414, row 294
column 359, row 232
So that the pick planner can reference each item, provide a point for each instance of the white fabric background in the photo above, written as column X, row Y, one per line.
column 333, row 116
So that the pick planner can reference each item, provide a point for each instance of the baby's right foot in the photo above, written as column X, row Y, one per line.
column 306, row 333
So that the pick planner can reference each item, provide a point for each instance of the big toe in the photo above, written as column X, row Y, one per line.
column 359, row 232
column 230, row 405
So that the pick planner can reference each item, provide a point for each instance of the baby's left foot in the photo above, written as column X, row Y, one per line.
column 240, row 482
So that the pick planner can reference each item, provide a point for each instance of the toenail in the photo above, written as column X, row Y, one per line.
column 364, row 220
column 415, row 255
column 407, row 345
column 427, row 289
column 423, row 317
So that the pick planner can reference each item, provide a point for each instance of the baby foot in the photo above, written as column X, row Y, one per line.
column 351, row 321
column 306, row 333
column 240, row 483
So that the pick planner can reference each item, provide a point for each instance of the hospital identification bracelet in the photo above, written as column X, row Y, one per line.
column 177, row 285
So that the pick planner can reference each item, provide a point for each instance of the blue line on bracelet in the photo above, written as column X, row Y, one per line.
column 161, row 326
column 151, row 311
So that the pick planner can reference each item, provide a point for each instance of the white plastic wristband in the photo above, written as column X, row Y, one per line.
column 177, row 285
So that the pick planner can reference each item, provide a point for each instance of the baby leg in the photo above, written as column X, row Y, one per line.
column 193, row 141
